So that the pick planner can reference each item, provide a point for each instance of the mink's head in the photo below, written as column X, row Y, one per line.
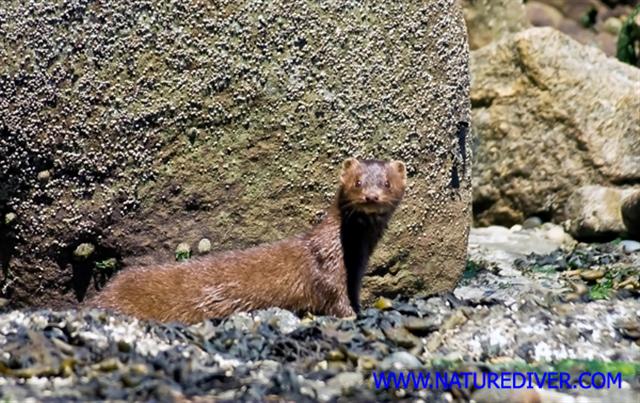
column 371, row 186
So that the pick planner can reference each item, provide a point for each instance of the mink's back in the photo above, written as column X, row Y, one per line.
column 299, row 273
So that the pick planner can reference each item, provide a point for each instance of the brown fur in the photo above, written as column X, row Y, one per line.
column 302, row 273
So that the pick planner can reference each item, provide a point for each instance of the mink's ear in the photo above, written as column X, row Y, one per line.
column 347, row 166
column 400, row 169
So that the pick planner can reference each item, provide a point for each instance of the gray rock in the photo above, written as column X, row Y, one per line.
column 345, row 381
column 629, row 246
column 280, row 319
column 532, row 222
column 533, row 101
column 421, row 326
column 400, row 360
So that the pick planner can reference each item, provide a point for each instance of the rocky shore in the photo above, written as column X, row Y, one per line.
column 530, row 299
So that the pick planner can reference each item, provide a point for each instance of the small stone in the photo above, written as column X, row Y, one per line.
column 367, row 363
column 612, row 25
column 592, row 275
column 401, row 336
column 400, row 360
column 629, row 329
column 630, row 283
column 570, row 297
column 579, row 288
column 383, row 303
column 204, row 246
column 280, row 319
column 532, row 222
column 3, row 302
column 457, row 319
column 557, row 235
column 630, row 246
column 183, row 251
column 44, row 176
column 9, row 218
column 420, row 326
column 123, row 346
column 107, row 365
column 346, row 381
column 335, row 355
column 434, row 342
column 83, row 251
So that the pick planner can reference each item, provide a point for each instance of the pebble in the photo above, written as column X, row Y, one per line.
column 281, row 319
column 402, row 337
column 9, row 218
column 612, row 25
column 400, row 360
column 420, row 326
column 516, row 228
column 532, row 222
column 558, row 235
column 592, row 275
column 204, row 246
column 579, row 288
column 458, row 318
column 44, row 176
column 83, row 251
column 629, row 328
column 383, row 303
column 629, row 246
column 345, row 381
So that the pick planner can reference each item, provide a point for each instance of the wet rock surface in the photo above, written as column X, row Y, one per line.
column 523, row 304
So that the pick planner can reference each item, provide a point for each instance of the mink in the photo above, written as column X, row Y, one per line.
column 319, row 271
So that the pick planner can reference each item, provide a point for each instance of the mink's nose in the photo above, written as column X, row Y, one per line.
column 371, row 198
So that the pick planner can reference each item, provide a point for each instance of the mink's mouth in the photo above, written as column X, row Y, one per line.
column 371, row 207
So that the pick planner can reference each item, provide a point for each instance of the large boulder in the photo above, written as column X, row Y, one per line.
column 596, row 211
column 550, row 115
column 161, row 123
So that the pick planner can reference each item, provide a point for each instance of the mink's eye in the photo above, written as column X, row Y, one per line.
column 358, row 183
column 387, row 184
